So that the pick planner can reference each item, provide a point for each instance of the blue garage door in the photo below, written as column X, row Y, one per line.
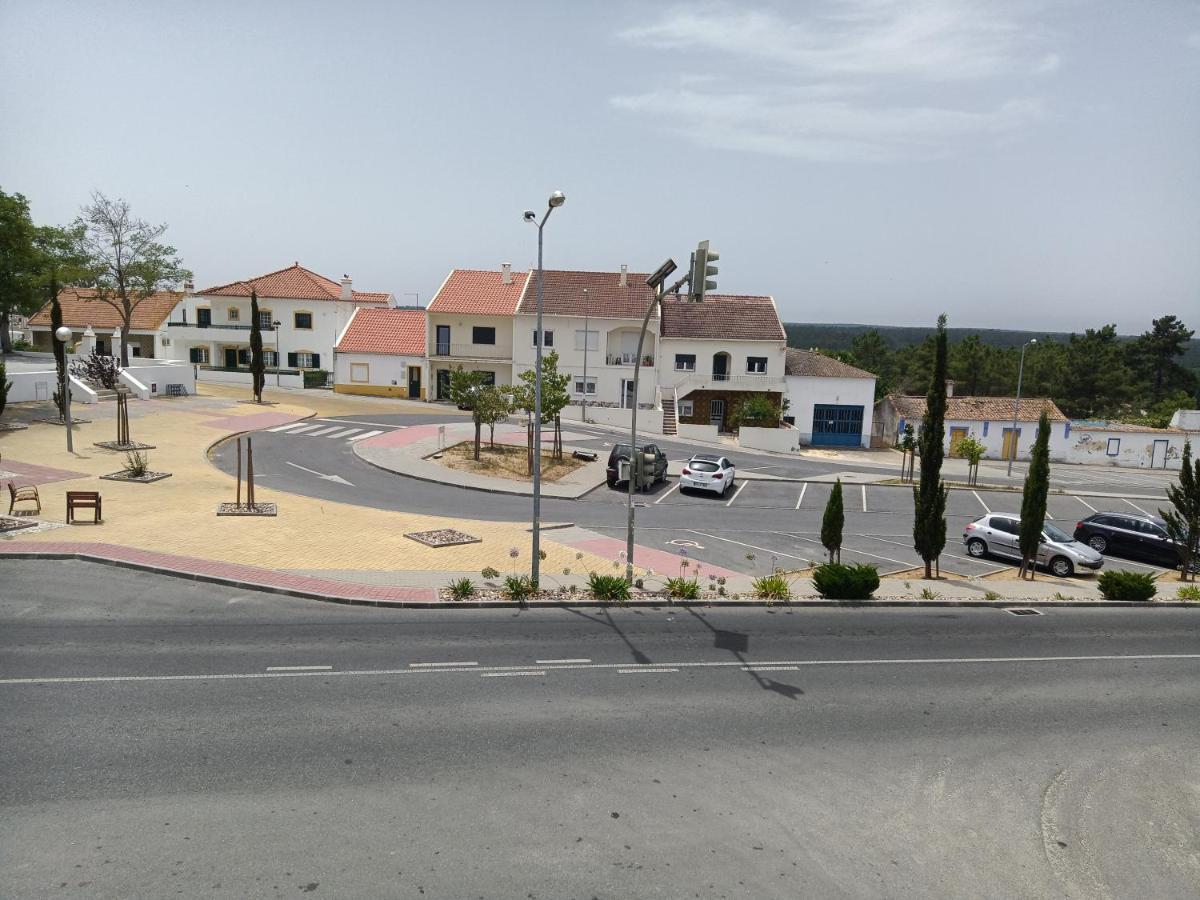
column 837, row 426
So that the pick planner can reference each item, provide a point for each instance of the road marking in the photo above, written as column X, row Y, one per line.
column 770, row 668
column 741, row 488
column 288, row 426
column 548, row 662
column 753, row 546
column 622, row 668
column 303, row 429
column 365, row 434
column 353, row 422
column 1135, row 506
column 508, row 674
column 434, row 665
column 644, row 671
column 324, row 431
column 803, row 488
column 299, row 668
column 1088, row 505
column 864, row 490
column 899, row 562
column 335, row 478
column 981, row 503
column 342, row 432
column 667, row 494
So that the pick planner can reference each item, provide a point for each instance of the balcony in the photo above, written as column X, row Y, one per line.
column 447, row 350
column 627, row 359
column 687, row 381
column 214, row 325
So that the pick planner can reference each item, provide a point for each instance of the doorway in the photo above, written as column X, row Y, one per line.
column 720, row 366
column 231, row 357
column 443, row 384
column 716, row 414
column 443, row 340
column 627, row 397
column 1011, row 438
column 414, row 382
column 957, row 436
column 1158, row 455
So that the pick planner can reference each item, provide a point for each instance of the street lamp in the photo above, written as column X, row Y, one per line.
column 276, row 325
column 586, row 340
column 557, row 199
column 1017, row 405
column 63, row 334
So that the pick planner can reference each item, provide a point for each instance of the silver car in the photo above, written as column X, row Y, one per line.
column 998, row 534
column 706, row 472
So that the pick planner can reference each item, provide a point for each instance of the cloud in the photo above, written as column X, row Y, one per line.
column 869, row 80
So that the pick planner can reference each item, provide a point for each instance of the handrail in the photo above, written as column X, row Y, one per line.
column 217, row 325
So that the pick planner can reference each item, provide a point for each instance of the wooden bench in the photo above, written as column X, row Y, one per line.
column 22, row 494
column 83, row 500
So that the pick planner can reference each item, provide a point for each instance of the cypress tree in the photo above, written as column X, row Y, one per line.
column 60, row 349
column 1033, row 501
column 258, row 370
column 929, row 495
column 1183, row 522
column 832, row 522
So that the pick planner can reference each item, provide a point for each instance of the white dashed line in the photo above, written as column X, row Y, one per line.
column 324, row 431
column 365, row 434
column 645, row 671
column 288, row 427
column 299, row 668
column 342, row 432
column 770, row 668
column 304, row 429
column 353, row 422
column 437, row 664
column 803, row 488
column 864, row 490
column 507, row 674
column 550, row 662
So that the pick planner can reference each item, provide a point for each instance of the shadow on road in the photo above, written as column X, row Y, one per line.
column 738, row 644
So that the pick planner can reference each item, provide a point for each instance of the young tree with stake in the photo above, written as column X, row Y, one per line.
column 832, row 523
column 1033, row 501
column 465, row 390
column 929, row 495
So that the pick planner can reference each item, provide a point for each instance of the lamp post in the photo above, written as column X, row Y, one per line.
column 1017, row 405
column 586, row 340
column 63, row 334
column 275, row 325
column 557, row 199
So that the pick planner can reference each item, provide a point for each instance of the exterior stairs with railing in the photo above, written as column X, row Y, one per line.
column 668, row 410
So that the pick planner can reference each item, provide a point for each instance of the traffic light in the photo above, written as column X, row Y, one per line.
column 704, row 271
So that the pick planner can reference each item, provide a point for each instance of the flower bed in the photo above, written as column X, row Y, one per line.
column 442, row 537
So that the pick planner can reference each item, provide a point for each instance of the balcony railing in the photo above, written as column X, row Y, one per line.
column 215, row 325
column 684, row 381
column 471, row 351
column 627, row 359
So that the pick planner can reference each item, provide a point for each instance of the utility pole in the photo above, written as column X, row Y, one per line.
column 1017, row 405
column 587, row 337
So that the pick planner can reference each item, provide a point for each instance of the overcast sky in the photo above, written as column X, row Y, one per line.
column 1013, row 164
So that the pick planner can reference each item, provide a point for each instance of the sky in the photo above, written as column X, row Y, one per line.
column 1013, row 164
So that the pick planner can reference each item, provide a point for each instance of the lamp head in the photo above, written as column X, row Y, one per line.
column 558, row 198
column 63, row 333
column 530, row 215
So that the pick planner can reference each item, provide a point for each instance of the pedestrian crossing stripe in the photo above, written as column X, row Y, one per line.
column 359, row 437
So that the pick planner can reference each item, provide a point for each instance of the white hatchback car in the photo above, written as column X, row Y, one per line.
column 705, row 472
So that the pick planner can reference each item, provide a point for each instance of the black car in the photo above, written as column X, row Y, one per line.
column 1134, row 536
column 656, row 460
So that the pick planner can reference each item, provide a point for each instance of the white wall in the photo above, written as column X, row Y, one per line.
column 649, row 421
column 698, row 432
column 383, row 371
column 704, row 350
column 1134, row 450
column 781, row 440
column 155, row 378
column 222, row 377
column 803, row 392
column 32, row 386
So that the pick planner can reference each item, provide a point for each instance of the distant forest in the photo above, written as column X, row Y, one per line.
column 1097, row 374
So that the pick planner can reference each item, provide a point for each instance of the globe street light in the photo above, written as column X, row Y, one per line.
column 1017, row 406
column 63, row 334
column 557, row 199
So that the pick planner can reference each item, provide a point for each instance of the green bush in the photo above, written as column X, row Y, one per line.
column 462, row 589
column 772, row 587
column 137, row 464
column 519, row 587
column 315, row 378
column 683, row 588
column 489, row 573
column 608, row 588
column 1127, row 586
column 1188, row 592
column 839, row 581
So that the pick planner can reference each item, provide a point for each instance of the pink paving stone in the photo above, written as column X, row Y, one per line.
column 34, row 474
column 403, row 437
column 255, row 422
column 660, row 561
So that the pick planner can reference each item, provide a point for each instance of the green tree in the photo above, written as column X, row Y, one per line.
column 18, row 295
column 258, row 369
column 127, row 261
column 555, row 396
column 929, row 494
column 1154, row 355
column 832, row 523
column 972, row 450
column 757, row 410
column 492, row 406
column 1183, row 520
column 968, row 365
column 1095, row 380
column 1033, row 500
column 465, row 389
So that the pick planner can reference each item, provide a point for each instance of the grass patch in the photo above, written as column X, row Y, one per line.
column 504, row 461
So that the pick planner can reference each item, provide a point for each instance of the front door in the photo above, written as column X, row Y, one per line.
column 627, row 393
column 1158, row 456
column 1009, row 450
column 956, row 437
column 231, row 359
column 443, row 340
column 716, row 414
column 720, row 366
column 443, row 384
column 414, row 382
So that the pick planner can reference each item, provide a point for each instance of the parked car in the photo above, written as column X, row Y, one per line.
column 655, row 459
column 1134, row 536
column 998, row 534
column 705, row 472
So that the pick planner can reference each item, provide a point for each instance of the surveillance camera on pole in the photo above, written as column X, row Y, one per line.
column 704, row 271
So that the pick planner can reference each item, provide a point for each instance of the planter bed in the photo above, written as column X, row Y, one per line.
column 258, row 509
column 148, row 478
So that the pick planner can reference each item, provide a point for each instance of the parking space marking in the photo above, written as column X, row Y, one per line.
column 1088, row 505
column 741, row 488
column 864, row 496
column 803, row 488
column 803, row 559
column 981, row 503
column 1135, row 506
column 672, row 488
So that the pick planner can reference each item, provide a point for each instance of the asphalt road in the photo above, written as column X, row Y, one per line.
column 766, row 519
column 612, row 754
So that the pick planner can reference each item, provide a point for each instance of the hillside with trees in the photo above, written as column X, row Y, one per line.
column 1097, row 374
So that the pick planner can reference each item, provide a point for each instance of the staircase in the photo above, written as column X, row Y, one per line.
column 668, row 409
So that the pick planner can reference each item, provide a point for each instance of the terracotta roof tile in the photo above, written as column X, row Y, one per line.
column 733, row 317
column 399, row 332
column 479, row 291
column 293, row 283
column 80, row 308
column 981, row 409
column 818, row 365
column 563, row 294
column 1092, row 425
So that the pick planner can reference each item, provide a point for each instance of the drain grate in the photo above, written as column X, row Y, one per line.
column 1024, row 611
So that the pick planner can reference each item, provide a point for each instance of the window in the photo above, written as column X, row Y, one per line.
column 592, row 339
column 685, row 362
column 1114, row 446
column 304, row 360
column 198, row 355
column 360, row 373
column 302, row 320
column 203, row 317
column 548, row 342
column 269, row 358
column 686, row 408
column 483, row 335
column 579, row 386
column 234, row 314
column 1008, row 526
column 756, row 365
column 265, row 321
column 243, row 356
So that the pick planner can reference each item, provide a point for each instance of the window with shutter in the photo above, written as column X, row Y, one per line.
column 291, row 357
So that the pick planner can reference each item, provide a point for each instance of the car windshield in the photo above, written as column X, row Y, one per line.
column 1055, row 533
column 703, row 465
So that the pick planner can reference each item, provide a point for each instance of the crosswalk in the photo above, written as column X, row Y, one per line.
column 325, row 430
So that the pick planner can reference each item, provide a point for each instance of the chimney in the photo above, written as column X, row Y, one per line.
column 506, row 273
column 189, row 288
column 347, row 291
column 624, row 275
column 949, row 388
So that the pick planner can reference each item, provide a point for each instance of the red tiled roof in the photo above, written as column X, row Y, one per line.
column 818, row 365
column 733, row 317
column 80, row 308
column 400, row 332
column 293, row 283
column 982, row 409
column 479, row 291
column 563, row 294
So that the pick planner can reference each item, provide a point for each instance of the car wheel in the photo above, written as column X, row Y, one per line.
column 1061, row 566
column 977, row 548
column 1098, row 542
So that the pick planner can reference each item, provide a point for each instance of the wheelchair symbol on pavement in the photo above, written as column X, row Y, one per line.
column 691, row 545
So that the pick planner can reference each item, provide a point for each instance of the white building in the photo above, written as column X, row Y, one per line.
column 381, row 352
column 987, row 419
column 211, row 328
column 831, row 402
column 1119, row 444
column 81, row 310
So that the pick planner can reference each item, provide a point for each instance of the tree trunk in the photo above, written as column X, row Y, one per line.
column 928, row 569
column 478, row 437
column 5, row 338
column 125, row 343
